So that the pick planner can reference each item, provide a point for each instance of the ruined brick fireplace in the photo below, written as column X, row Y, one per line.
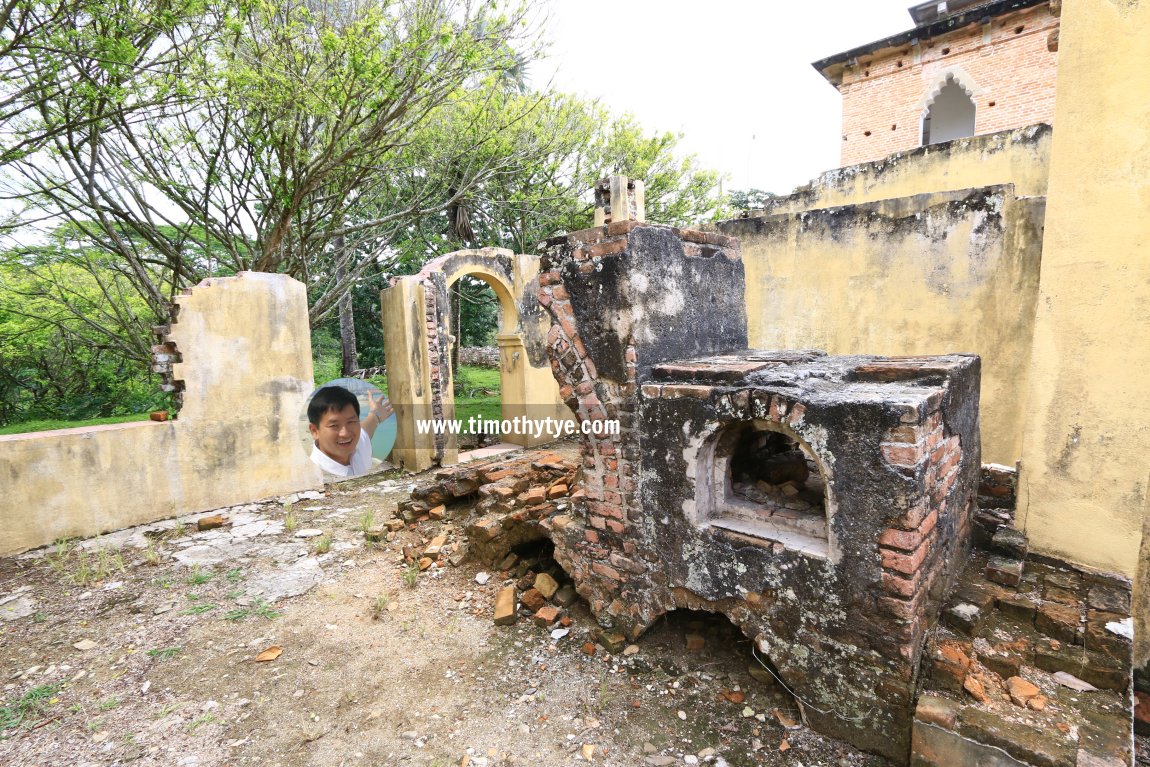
column 823, row 504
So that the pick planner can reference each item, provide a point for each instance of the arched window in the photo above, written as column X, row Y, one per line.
column 949, row 115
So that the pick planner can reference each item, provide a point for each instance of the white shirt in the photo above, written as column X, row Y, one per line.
column 360, row 459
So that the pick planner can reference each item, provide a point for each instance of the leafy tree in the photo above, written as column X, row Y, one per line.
column 73, row 336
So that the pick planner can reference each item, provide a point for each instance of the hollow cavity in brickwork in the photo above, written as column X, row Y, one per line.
column 765, row 481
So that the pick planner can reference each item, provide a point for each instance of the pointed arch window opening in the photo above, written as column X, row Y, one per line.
column 949, row 115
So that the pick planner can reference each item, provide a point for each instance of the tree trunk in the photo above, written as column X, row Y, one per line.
column 346, row 318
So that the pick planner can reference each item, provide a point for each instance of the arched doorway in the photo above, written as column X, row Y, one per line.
column 419, row 335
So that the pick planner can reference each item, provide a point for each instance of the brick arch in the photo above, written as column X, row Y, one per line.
column 960, row 76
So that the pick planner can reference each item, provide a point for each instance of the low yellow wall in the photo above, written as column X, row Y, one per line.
column 247, row 370
column 1086, row 461
column 1020, row 157
column 931, row 274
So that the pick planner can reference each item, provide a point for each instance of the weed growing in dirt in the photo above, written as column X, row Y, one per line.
column 289, row 518
column 379, row 607
column 411, row 576
column 199, row 722
column 258, row 609
column 83, row 568
column 164, row 653
column 200, row 577
column 27, row 706
column 152, row 556
column 198, row 609
column 39, row 618
column 235, row 575
column 367, row 521
column 180, row 530
column 322, row 544
column 108, row 703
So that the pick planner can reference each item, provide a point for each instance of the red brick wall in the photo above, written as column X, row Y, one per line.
column 1014, row 71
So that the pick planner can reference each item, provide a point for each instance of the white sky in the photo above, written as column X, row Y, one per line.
column 735, row 77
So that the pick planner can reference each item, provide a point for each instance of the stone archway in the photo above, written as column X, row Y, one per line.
column 416, row 324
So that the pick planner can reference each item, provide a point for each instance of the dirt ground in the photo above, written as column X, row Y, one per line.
column 379, row 664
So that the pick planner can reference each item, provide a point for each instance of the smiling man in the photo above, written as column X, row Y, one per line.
column 341, row 442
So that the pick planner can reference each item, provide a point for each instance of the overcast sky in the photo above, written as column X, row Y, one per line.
column 735, row 77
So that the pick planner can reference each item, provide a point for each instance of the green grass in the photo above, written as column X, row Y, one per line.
column 30, row 704
column 31, row 426
column 477, row 393
column 164, row 653
column 259, row 609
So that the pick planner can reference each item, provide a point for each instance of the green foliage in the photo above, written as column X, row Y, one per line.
column 74, row 335
column 747, row 199
column 165, row 653
column 28, row 705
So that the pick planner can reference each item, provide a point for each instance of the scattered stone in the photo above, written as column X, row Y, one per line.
column 631, row 649
column 587, row 751
column 309, row 532
column 964, row 618
column 394, row 525
column 436, row 546
column 508, row 562
column 1010, row 543
column 1002, row 570
column 1037, row 703
column 589, row 648
column 375, row 534
column 546, row 616
column 566, row 596
column 17, row 605
column 211, row 522
column 84, row 645
column 505, row 606
column 532, row 599
column 482, row 578
column 1073, row 682
column 1021, row 691
column 437, row 513
column 975, row 688
column 950, row 665
column 612, row 641
column 546, row 585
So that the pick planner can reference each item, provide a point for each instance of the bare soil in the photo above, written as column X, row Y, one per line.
column 379, row 665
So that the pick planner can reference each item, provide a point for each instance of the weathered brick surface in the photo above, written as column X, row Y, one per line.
column 838, row 594
column 1012, row 70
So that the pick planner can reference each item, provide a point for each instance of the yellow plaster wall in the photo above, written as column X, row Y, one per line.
column 1086, row 458
column 247, row 369
column 1019, row 157
column 932, row 274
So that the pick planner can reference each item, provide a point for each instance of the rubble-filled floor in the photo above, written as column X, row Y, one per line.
column 378, row 664
column 1015, row 674
column 369, row 660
